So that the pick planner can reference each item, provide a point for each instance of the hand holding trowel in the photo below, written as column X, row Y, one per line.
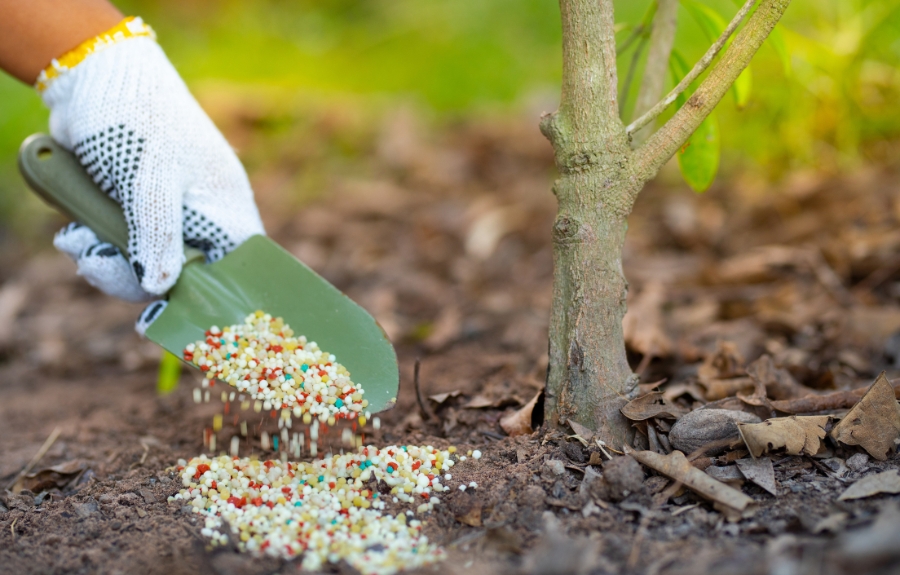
column 258, row 274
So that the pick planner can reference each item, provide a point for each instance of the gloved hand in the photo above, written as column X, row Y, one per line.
column 131, row 121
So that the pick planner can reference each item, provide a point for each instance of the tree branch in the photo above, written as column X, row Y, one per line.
column 662, row 38
column 588, row 110
column 698, row 69
column 662, row 145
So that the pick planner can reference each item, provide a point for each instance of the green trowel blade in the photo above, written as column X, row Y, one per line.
column 258, row 275
column 261, row 275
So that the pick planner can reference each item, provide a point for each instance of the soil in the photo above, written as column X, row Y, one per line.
column 445, row 239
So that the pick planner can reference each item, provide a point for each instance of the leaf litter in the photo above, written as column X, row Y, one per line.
column 396, row 243
column 874, row 422
column 884, row 482
column 797, row 435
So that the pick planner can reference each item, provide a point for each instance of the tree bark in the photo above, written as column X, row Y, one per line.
column 589, row 378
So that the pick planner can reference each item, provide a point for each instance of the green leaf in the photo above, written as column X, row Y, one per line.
column 169, row 373
column 742, row 87
column 711, row 22
column 713, row 25
column 778, row 42
column 699, row 158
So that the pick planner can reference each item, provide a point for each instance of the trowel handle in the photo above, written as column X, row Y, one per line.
column 56, row 176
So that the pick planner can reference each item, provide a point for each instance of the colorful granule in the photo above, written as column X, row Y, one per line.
column 263, row 359
column 324, row 510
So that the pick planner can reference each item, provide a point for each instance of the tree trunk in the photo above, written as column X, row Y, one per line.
column 589, row 377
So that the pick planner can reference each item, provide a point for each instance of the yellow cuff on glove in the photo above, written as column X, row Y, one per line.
column 131, row 27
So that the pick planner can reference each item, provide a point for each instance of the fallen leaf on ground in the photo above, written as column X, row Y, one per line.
column 757, row 264
column 884, row 482
column 692, row 390
column 760, row 471
column 703, row 427
column 519, row 421
column 480, row 401
column 797, row 434
column 643, row 322
column 726, row 362
column 651, row 405
column 779, row 383
column 440, row 398
column 728, row 474
column 722, row 373
column 58, row 476
column 648, row 387
column 874, row 422
column 676, row 466
column 580, row 430
column 721, row 388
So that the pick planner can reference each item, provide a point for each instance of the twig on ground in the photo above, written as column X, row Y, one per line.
column 836, row 400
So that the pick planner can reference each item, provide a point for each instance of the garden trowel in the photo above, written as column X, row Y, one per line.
column 258, row 275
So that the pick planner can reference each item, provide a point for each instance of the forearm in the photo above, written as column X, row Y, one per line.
column 34, row 32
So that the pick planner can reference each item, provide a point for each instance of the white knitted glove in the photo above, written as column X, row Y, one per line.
column 129, row 118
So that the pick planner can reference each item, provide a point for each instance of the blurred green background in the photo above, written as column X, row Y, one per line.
column 831, row 105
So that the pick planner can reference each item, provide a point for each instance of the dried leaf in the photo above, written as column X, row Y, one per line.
column 480, row 401
column 726, row 474
column 580, row 430
column 649, row 406
column 721, row 388
column 676, row 466
column 874, row 422
column 58, row 476
column 722, row 373
column 519, row 421
column 440, row 398
column 884, row 482
column 643, row 322
column 778, row 383
column 760, row 471
column 703, row 427
column 726, row 362
column 796, row 434
column 675, row 391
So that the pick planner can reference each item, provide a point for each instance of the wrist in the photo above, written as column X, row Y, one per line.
column 131, row 27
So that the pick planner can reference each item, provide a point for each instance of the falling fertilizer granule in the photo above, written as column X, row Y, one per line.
column 325, row 510
column 263, row 359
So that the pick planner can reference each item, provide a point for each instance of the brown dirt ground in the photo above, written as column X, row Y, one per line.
column 444, row 237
